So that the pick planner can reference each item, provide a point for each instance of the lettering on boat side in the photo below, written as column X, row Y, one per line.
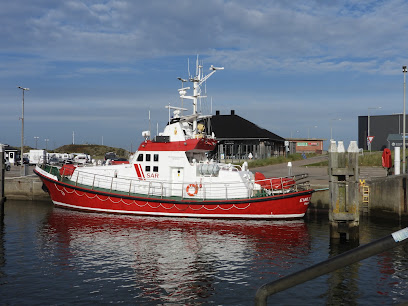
column 305, row 201
column 152, row 175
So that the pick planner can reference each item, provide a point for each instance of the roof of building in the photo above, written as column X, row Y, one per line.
column 233, row 126
column 9, row 148
column 394, row 137
column 306, row 139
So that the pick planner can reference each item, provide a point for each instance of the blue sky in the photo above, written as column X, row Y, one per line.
column 96, row 68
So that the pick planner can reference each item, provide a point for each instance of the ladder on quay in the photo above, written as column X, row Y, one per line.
column 366, row 198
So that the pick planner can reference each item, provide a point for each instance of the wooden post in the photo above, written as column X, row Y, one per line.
column 2, row 175
column 343, row 184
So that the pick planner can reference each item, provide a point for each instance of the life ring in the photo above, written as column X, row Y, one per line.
column 192, row 194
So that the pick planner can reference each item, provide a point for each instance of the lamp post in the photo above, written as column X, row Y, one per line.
column 22, row 132
column 46, row 144
column 331, row 127
column 308, row 130
column 404, row 70
column 368, row 126
column 36, row 141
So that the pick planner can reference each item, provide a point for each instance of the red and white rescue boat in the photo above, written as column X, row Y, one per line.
column 173, row 175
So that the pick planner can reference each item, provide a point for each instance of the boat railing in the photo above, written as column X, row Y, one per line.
column 191, row 190
column 285, row 184
column 230, row 167
column 194, row 190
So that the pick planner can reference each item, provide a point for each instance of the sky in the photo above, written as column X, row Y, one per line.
column 95, row 69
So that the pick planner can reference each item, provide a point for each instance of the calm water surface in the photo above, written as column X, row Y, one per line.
column 55, row 256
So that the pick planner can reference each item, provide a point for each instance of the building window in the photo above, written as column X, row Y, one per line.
column 147, row 157
column 147, row 168
column 156, row 157
column 140, row 157
column 155, row 169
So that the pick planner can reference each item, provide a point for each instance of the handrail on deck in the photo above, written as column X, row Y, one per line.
column 347, row 258
column 129, row 185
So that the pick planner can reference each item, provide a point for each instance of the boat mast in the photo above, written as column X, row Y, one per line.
column 197, row 81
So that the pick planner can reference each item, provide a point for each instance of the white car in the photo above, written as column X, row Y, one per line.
column 81, row 159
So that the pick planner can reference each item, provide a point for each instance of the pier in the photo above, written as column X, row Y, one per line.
column 17, row 187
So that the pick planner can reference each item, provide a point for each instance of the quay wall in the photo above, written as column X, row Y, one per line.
column 24, row 188
column 320, row 199
column 388, row 196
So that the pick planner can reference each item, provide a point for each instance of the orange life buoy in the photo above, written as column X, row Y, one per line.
column 192, row 194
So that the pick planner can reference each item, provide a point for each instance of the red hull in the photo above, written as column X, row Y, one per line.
column 287, row 206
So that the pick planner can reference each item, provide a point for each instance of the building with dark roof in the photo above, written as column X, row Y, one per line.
column 381, row 127
column 12, row 154
column 239, row 138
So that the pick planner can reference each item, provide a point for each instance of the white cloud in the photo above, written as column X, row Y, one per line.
column 276, row 33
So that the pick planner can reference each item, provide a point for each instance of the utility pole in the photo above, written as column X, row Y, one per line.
column 404, row 70
column 22, row 172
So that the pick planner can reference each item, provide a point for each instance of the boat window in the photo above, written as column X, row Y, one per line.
column 147, row 157
column 140, row 157
column 155, row 169
column 156, row 157
column 147, row 168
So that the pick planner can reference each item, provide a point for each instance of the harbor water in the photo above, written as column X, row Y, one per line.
column 55, row 256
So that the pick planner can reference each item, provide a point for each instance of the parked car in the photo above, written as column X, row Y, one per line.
column 54, row 161
column 8, row 165
column 26, row 161
column 111, row 156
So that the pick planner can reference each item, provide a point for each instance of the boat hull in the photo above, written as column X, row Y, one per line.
column 285, row 206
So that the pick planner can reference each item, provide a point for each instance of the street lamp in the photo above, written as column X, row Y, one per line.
column 36, row 141
column 22, row 131
column 331, row 127
column 404, row 70
column 308, row 130
column 368, row 127
column 46, row 144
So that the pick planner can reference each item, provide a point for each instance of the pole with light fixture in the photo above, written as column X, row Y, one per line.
column 404, row 70
column 331, row 127
column 308, row 130
column 22, row 133
column 368, row 127
column 36, row 141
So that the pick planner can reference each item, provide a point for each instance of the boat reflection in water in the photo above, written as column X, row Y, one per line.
column 174, row 259
column 50, row 255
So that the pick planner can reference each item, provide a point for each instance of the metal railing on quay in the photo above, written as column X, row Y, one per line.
column 373, row 248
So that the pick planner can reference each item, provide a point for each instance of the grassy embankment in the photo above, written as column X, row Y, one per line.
column 368, row 159
column 276, row 160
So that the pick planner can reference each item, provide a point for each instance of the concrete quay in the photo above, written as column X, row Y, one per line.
column 17, row 187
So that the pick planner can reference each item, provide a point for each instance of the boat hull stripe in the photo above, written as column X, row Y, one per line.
column 161, row 214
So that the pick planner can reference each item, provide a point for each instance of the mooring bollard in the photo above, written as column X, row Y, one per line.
column 343, row 184
column 397, row 161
